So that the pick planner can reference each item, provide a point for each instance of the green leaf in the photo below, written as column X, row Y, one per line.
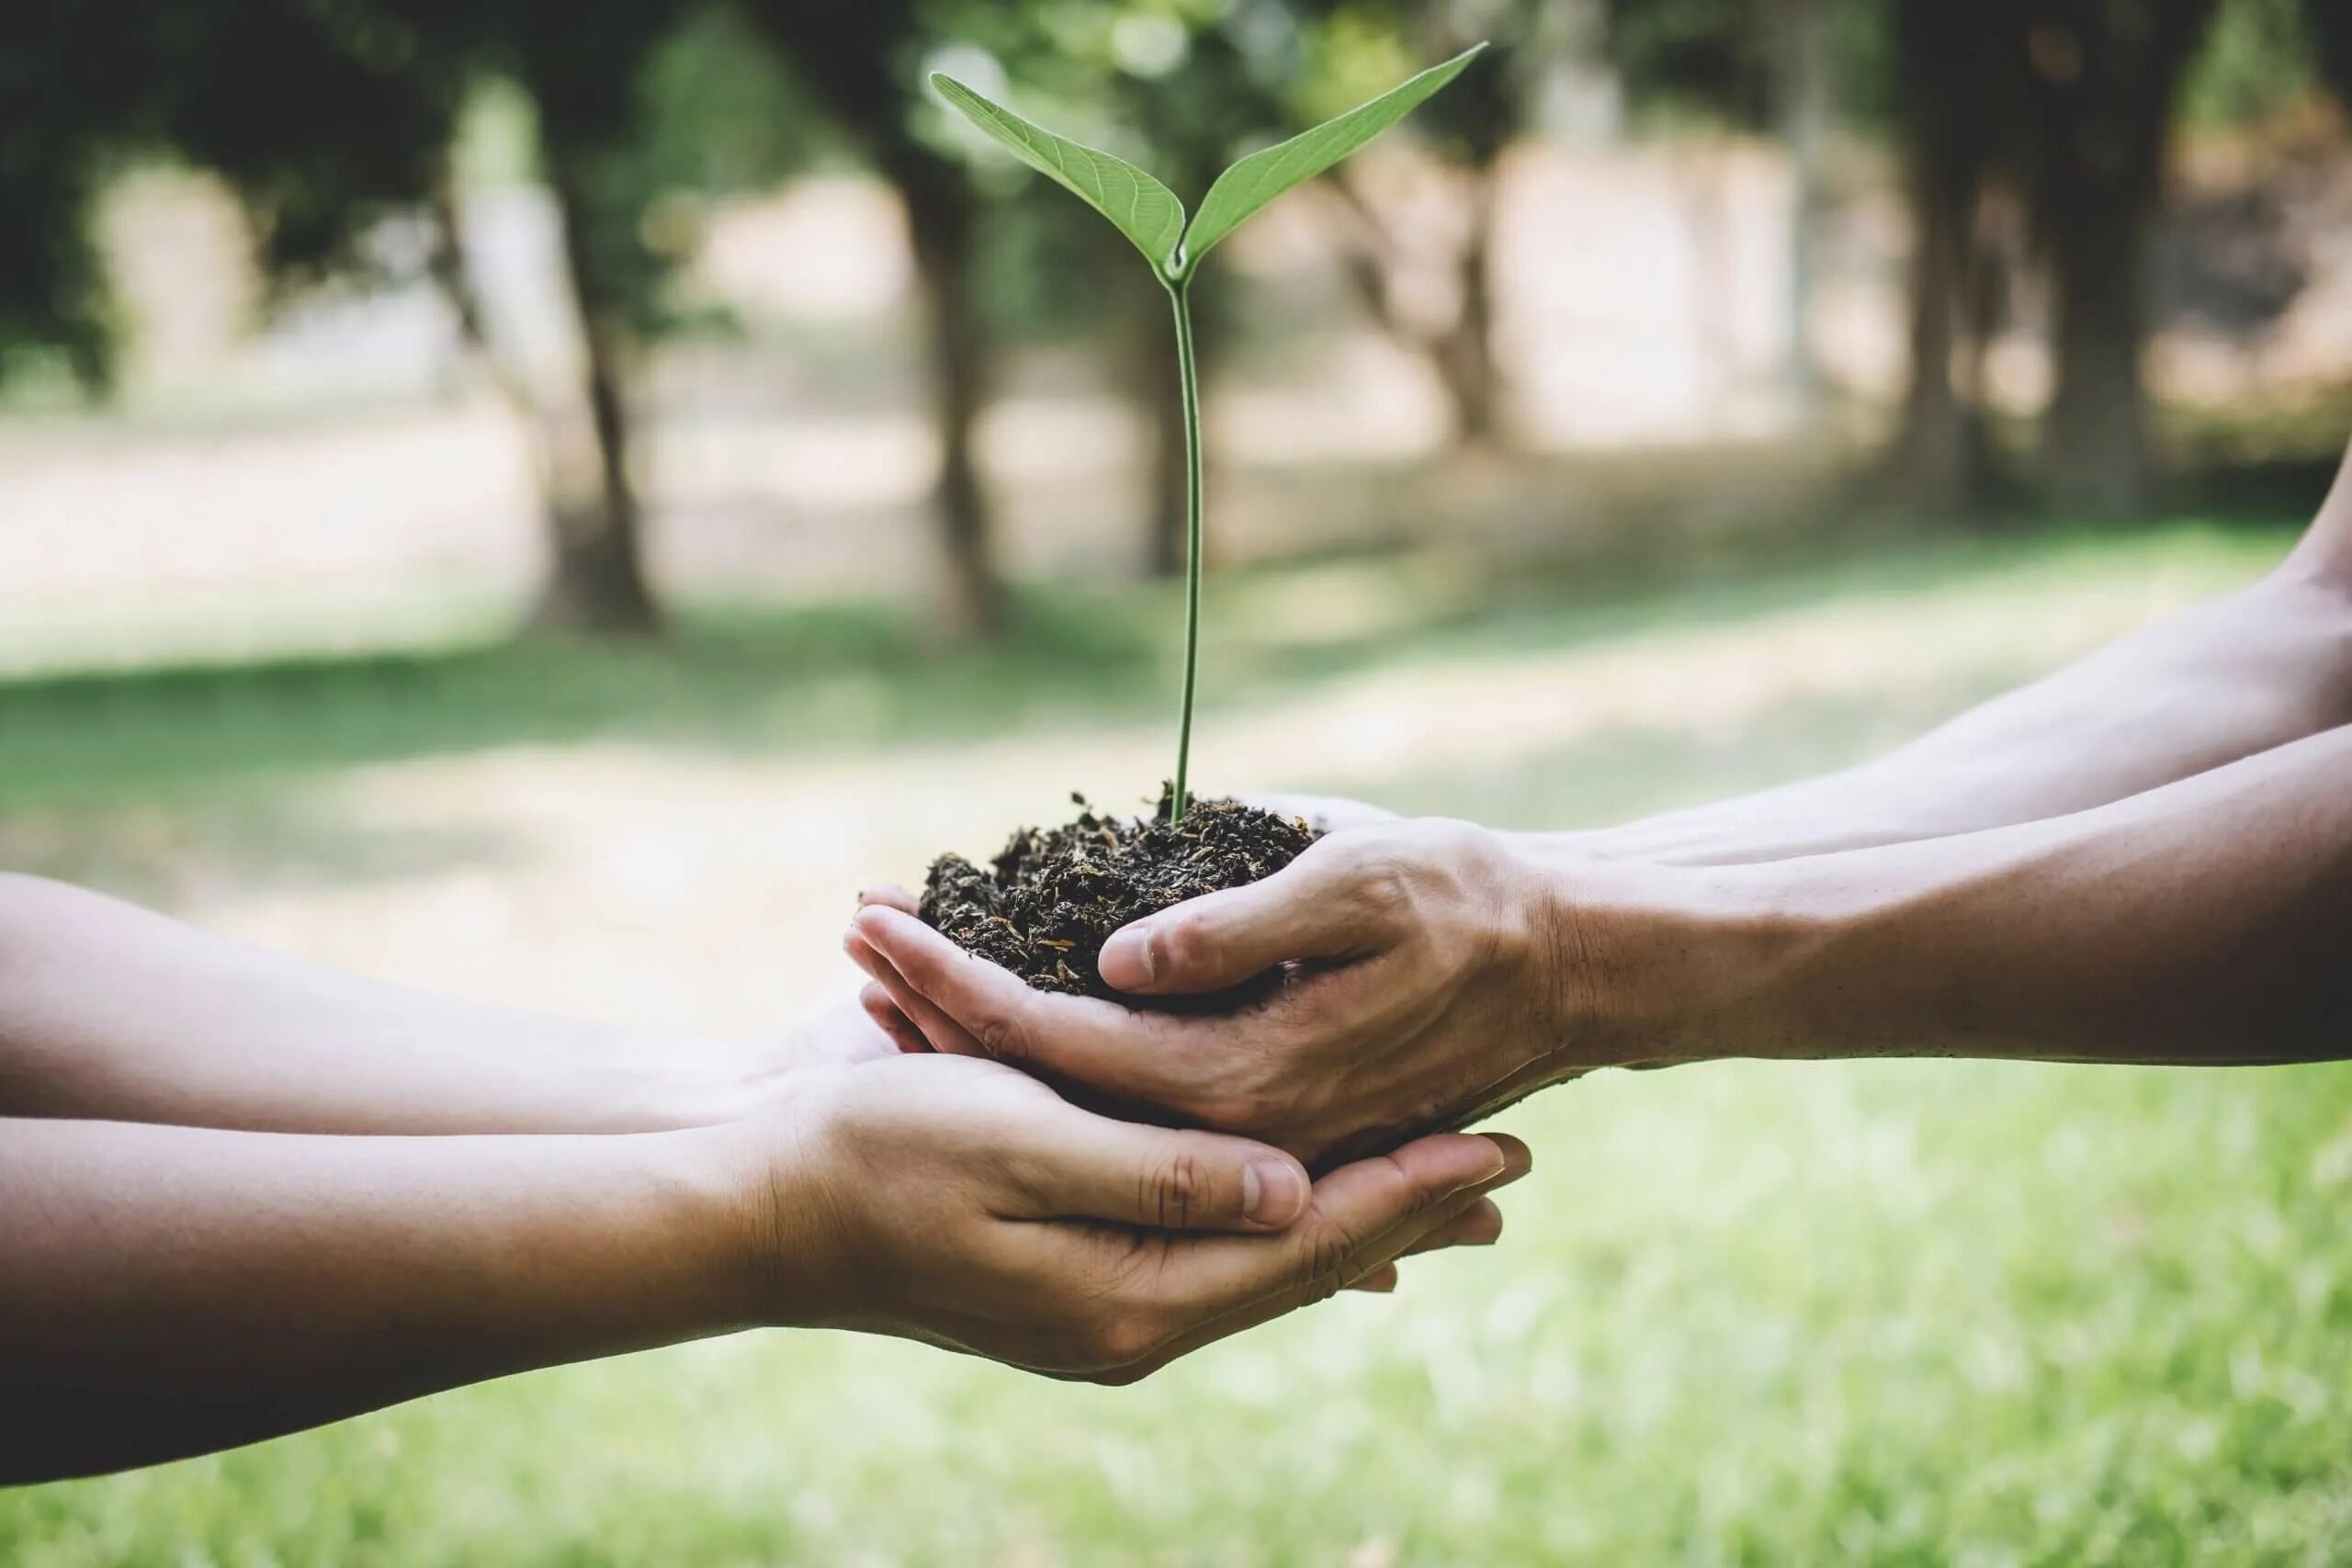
column 1143, row 209
column 1256, row 180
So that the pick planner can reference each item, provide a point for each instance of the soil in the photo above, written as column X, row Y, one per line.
column 1055, row 895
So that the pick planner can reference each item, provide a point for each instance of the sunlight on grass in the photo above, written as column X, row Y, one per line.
column 1892, row 1312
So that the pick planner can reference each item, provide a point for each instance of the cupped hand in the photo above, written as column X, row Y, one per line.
column 1423, row 985
column 704, row 1081
column 964, row 1204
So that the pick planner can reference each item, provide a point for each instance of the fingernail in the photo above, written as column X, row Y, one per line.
column 1128, row 958
column 1271, row 1192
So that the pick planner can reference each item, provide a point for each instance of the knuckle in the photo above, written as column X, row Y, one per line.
column 1187, row 943
column 1003, row 1032
column 1231, row 1109
column 1323, row 1266
column 1175, row 1188
column 1122, row 1339
column 1381, row 882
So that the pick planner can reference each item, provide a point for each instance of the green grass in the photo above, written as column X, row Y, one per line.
column 1896, row 1313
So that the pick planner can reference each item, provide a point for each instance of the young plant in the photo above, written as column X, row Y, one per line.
column 1151, row 216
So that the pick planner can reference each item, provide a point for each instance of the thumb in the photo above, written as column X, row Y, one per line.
column 1166, row 1179
column 1305, row 910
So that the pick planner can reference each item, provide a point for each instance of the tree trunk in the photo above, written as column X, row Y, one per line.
column 941, row 218
column 599, row 581
column 1801, row 64
column 1940, row 452
column 2102, row 97
column 1464, row 354
column 850, row 57
column 447, row 263
column 1940, row 459
column 1461, row 351
column 2096, row 449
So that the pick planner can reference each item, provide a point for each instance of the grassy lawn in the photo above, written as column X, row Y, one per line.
column 1927, row 1312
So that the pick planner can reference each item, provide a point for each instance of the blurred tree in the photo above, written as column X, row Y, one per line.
column 1791, row 69
column 862, row 59
column 1951, row 118
column 2064, row 107
column 2056, row 109
column 2257, row 63
column 583, row 65
column 1469, row 128
column 70, row 94
column 2330, row 22
column 1804, row 101
column 315, row 113
column 2101, row 83
column 327, row 116
column 630, row 127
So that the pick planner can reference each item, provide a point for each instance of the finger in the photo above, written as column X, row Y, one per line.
column 1359, row 1217
column 1083, row 1039
column 1480, row 1225
column 1317, row 907
column 1098, row 1169
column 892, row 1020
column 1379, row 1282
column 942, row 1032
column 1387, row 1195
column 889, row 897
column 1368, row 1262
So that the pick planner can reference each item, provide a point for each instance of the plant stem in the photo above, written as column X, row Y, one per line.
column 1180, row 295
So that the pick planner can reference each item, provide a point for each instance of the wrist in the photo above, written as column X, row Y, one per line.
column 664, row 1083
column 1648, row 965
column 787, row 1213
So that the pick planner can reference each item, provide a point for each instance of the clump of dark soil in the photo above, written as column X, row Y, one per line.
column 1055, row 895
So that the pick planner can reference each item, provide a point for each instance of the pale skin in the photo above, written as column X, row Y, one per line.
column 240, row 1196
column 2146, row 857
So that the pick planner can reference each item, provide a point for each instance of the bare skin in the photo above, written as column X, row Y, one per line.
column 2145, row 858
column 240, row 1197
column 198, row 1031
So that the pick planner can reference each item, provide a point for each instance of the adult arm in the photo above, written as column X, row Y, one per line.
column 108, row 1011
column 2259, row 668
column 167, row 1291
column 1444, row 969
column 2207, row 922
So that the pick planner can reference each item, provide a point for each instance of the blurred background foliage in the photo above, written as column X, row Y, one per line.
column 541, row 500
column 2048, row 249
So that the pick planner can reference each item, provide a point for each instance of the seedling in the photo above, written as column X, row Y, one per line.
column 1044, row 908
column 1151, row 216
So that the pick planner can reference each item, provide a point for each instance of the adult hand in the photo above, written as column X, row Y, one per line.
column 703, row 1080
column 1429, row 975
column 965, row 1204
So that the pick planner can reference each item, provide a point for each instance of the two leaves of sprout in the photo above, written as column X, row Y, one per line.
column 1148, row 213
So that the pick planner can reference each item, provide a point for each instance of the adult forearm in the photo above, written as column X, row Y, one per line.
column 221, row 1287
column 2208, row 921
column 109, row 1011
column 2255, row 669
